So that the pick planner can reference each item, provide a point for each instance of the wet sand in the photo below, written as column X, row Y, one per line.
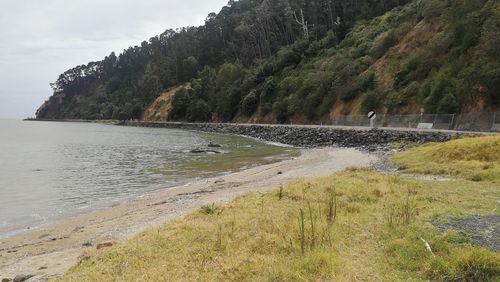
column 52, row 250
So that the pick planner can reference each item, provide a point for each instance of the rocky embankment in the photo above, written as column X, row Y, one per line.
column 311, row 136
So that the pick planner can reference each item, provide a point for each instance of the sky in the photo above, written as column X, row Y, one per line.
column 40, row 39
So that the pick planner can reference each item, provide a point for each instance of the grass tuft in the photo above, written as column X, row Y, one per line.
column 211, row 209
column 476, row 159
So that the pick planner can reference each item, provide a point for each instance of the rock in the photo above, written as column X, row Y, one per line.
column 22, row 277
column 201, row 151
column 213, row 145
column 310, row 137
column 6, row 279
column 105, row 245
column 87, row 244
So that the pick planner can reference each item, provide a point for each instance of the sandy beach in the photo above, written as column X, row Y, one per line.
column 54, row 249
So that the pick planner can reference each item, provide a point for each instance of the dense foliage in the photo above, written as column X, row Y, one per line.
column 301, row 59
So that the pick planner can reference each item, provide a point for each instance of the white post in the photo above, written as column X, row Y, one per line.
column 451, row 123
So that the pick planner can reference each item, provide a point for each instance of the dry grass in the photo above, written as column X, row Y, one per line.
column 476, row 159
column 355, row 225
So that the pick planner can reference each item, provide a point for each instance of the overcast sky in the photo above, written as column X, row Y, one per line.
column 41, row 39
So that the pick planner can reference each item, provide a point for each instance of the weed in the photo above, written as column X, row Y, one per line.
column 332, row 207
column 377, row 193
column 218, row 245
column 208, row 209
column 302, row 235
column 352, row 208
column 280, row 193
column 313, row 229
column 403, row 212
column 211, row 209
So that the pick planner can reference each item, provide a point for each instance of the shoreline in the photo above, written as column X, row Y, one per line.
column 242, row 153
column 50, row 251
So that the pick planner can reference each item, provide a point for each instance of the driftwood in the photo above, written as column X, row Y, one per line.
column 202, row 151
column 428, row 247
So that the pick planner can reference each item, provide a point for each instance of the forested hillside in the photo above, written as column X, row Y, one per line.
column 281, row 60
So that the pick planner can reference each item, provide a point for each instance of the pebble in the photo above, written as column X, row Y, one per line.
column 22, row 277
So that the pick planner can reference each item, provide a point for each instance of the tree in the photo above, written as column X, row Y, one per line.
column 189, row 68
column 198, row 111
column 180, row 104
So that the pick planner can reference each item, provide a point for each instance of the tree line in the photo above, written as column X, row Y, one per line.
column 284, row 58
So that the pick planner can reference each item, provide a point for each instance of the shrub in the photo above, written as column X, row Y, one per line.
column 198, row 111
column 367, row 81
column 349, row 92
column 382, row 43
column 370, row 102
column 265, row 108
column 280, row 109
column 287, row 57
column 268, row 91
column 448, row 104
column 250, row 103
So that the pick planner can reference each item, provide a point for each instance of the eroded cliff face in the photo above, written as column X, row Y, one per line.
column 160, row 108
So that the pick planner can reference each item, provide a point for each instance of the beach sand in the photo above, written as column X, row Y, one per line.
column 52, row 250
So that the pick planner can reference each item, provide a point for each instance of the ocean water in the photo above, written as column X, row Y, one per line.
column 50, row 171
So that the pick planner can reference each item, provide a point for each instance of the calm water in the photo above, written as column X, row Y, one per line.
column 51, row 170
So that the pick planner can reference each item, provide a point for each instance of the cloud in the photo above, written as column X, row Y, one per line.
column 41, row 39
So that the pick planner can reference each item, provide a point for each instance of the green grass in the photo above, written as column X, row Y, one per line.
column 476, row 159
column 354, row 225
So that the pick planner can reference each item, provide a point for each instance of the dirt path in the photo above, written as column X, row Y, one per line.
column 52, row 250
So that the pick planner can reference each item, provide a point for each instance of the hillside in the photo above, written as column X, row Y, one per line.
column 293, row 60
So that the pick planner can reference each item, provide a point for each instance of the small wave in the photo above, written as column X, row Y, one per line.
column 40, row 217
